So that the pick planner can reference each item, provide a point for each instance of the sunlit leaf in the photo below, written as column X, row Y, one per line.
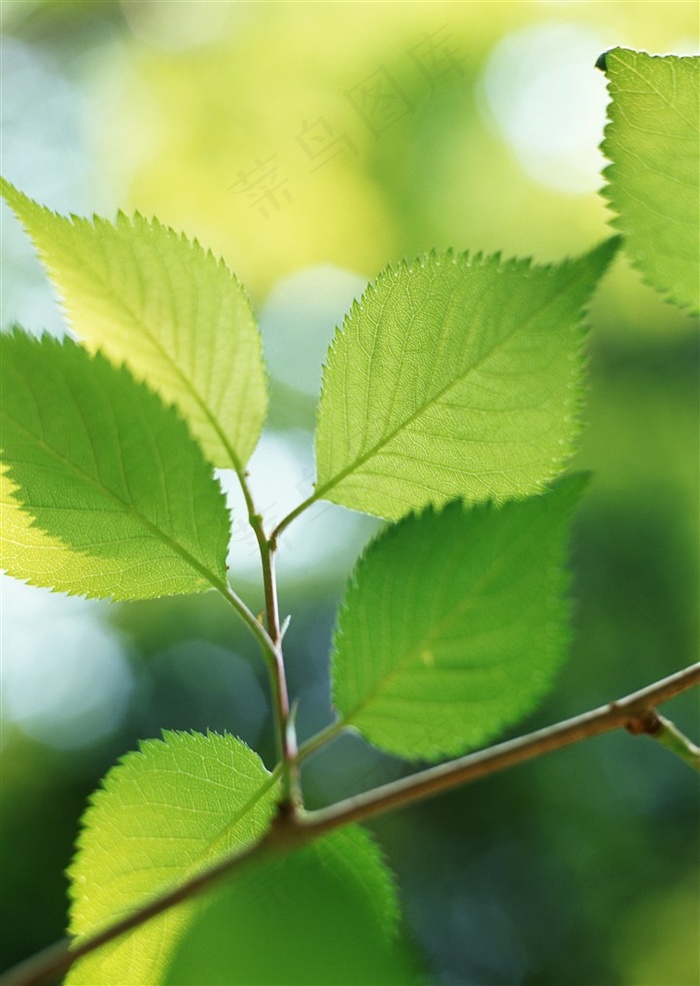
column 653, row 141
column 454, row 623
column 266, row 140
column 327, row 913
column 454, row 377
column 107, row 493
column 163, row 814
column 148, row 297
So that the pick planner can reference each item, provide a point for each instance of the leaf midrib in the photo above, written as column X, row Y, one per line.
column 206, row 854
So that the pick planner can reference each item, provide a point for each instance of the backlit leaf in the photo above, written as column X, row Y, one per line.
column 106, row 492
column 163, row 814
column 454, row 623
column 454, row 377
column 148, row 297
column 653, row 141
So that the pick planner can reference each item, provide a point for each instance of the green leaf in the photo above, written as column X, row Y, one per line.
column 148, row 297
column 454, row 623
column 653, row 141
column 454, row 377
column 328, row 912
column 108, row 493
column 163, row 814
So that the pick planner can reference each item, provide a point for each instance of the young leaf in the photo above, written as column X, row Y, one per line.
column 148, row 297
column 454, row 377
column 653, row 141
column 328, row 912
column 454, row 623
column 162, row 815
column 108, row 493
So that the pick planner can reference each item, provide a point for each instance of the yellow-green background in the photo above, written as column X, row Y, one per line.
column 580, row 869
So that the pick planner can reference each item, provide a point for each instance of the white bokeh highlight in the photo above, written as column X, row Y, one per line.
column 65, row 678
column 546, row 99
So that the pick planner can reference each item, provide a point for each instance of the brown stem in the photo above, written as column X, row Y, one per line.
column 291, row 791
column 286, row 734
column 635, row 712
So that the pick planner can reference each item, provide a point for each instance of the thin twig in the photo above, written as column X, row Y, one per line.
column 272, row 650
column 258, row 630
column 635, row 712
column 54, row 961
column 631, row 713
column 668, row 734
column 287, row 740
column 320, row 739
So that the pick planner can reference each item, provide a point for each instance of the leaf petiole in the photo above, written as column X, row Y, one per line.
column 321, row 739
column 298, row 510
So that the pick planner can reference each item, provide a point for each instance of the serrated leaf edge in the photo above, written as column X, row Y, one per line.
column 616, row 221
column 170, row 408
column 469, row 261
column 167, row 740
column 9, row 191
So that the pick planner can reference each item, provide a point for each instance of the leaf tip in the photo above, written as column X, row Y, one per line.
column 601, row 62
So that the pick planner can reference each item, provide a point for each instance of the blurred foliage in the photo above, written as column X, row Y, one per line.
column 350, row 133
column 577, row 869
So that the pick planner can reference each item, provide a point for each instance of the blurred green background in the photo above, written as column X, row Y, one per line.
column 310, row 144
